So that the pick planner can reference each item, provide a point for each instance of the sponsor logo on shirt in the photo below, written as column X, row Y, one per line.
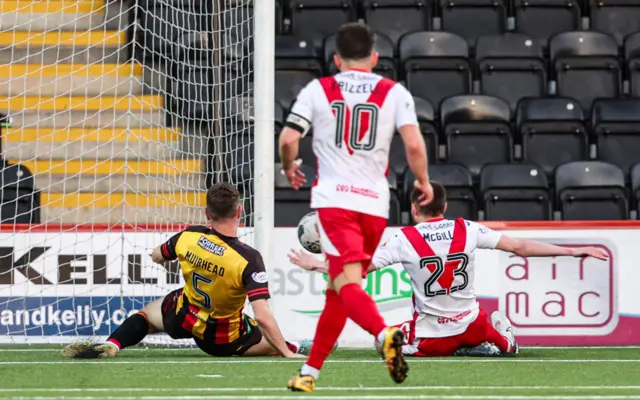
column 260, row 277
column 211, row 247
column 457, row 318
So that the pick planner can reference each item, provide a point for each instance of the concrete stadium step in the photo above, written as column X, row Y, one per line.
column 130, row 199
column 63, row 54
column 77, row 103
column 58, row 21
column 120, row 183
column 70, row 79
column 63, row 134
column 92, row 38
column 81, row 149
column 52, row 6
column 87, row 119
column 124, row 214
column 70, row 167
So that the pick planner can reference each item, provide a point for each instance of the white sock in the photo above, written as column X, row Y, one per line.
column 381, row 336
column 307, row 370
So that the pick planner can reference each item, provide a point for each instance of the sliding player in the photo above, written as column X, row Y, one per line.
column 354, row 115
column 439, row 256
column 220, row 273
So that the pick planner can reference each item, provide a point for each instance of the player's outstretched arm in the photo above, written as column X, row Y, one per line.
column 533, row 248
column 308, row 262
column 270, row 330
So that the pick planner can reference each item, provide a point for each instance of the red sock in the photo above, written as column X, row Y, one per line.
column 361, row 309
column 330, row 325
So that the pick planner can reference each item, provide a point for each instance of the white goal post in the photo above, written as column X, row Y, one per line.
column 116, row 115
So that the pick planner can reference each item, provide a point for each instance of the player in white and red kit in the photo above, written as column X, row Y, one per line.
column 439, row 256
column 354, row 116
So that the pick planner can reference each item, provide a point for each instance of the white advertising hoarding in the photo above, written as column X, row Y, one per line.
column 64, row 284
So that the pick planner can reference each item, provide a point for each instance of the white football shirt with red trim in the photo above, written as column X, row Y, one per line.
column 439, row 256
column 354, row 116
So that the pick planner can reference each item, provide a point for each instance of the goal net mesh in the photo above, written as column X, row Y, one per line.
column 116, row 117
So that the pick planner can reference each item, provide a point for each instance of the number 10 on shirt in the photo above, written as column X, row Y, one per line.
column 352, row 125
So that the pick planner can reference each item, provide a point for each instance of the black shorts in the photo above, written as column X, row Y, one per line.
column 173, row 320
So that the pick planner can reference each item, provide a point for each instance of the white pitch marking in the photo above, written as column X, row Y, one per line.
column 210, row 376
column 8, row 350
column 324, row 388
column 360, row 397
column 278, row 361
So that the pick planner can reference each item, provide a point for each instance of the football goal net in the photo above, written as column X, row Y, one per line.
column 115, row 117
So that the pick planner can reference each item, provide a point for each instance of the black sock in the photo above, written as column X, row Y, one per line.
column 131, row 332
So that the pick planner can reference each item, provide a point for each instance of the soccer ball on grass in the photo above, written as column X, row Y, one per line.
column 308, row 233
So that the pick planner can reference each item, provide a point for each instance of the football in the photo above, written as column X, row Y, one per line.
column 308, row 233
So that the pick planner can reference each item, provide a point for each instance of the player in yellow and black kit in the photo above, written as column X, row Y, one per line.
column 220, row 273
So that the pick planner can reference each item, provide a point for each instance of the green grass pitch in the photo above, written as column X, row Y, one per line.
column 36, row 373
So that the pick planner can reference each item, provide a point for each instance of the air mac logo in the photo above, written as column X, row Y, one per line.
column 74, row 269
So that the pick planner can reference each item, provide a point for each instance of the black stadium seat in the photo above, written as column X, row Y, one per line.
column 632, row 58
column 511, row 67
column 296, row 65
column 313, row 20
column 395, row 205
column 552, row 132
column 477, row 131
column 191, row 81
column 395, row 18
column 544, row 19
column 580, row 57
column 291, row 205
column 616, row 125
column 635, row 185
column 427, row 122
column 617, row 18
column 436, row 65
column 591, row 190
column 457, row 180
column 473, row 18
column 19, row 199
column 386, row 65
column 515, row 192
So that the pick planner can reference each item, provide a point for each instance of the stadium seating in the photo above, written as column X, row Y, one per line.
column 591, row 190
column 617, row 18
column 296, row 65
column 543, row 19
column 292, row 205
column 511, row 67
column 19, row 199
column 616, row 126
column 527, row 107
column 632, row 57
column 552, row 132
column 473, row 18
column 436, row 65
column 313, row 20
column 395, row 18
column 515, row 192
column 477, row 131
column 579, row 57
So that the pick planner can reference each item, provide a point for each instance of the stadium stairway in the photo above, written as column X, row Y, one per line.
column 89, row 124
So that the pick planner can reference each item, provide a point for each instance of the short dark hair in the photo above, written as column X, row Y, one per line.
column 437, row 205
column 223, row 200
column 354, row 41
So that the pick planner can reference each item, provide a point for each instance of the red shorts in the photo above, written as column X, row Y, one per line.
column 479, row 331
column 348, row 237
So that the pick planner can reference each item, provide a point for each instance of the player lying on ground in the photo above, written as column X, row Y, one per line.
column 439, row 256
column 220, row 273
column 354, row 116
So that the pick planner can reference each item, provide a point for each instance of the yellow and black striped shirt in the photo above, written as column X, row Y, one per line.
column 220, row 273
